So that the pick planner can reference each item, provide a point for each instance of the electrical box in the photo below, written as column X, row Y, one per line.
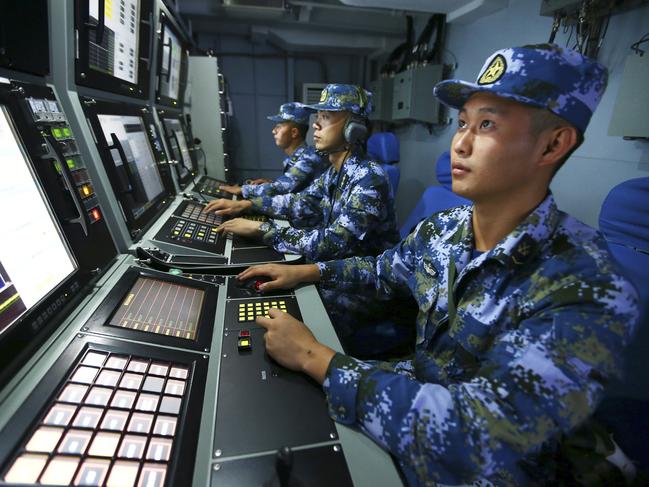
column 630, row 114
column 382, row 99
column 412, row 94
column 563, row 7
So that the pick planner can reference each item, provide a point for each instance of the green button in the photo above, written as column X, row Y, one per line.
column 57, row 133
column 71, row 163
column 57, row 166
column 67, row 132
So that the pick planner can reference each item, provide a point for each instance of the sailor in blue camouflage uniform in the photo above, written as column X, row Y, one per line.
column 302, row 165
column 523, row 316
column 347, row 211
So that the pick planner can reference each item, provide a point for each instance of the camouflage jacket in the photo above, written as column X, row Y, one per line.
column 300, row 169
column 342, row 213
column 541, row 322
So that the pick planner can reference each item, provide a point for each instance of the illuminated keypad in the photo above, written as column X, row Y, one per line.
column 249, row 311
column 195, row 212
column 187, row 231
column 91, row 441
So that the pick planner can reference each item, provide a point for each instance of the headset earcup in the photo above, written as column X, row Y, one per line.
column 354, row 131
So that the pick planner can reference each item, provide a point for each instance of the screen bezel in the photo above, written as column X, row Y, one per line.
column 165, row 114
column 5, row 111
column 167, row 22
column 98, row 322
column 92, row 78
column 94, row 251
column 93, row 108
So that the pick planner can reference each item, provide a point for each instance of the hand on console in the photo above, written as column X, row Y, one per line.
column 291, row 344
column 259, row 181
column 231, row 188
column 241, row 226
column 227, row 207
column 282, row 276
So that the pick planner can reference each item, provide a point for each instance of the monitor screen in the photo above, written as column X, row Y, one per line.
column 181, row 150
column 34, row 255
column 170, row 65
column 156, row 306
column 141, row 175
column 117, row 52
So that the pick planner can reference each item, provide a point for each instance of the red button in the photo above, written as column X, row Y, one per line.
column 258, row 285
column 95, row 214
column 244, row 333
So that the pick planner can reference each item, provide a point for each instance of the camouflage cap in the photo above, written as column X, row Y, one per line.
column 292, row 112
column 542, row 75
column 338, row 97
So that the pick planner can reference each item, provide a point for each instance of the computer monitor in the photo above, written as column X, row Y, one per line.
column 172, row 63
column 161, row 307
column 139, row 177
column 177, row 141
column 115, row 48
column 113, row 39
column 35, row 257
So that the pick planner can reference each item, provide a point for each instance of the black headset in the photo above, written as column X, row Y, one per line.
column 355, row 129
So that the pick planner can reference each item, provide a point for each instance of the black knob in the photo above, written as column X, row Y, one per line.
column 284, row 465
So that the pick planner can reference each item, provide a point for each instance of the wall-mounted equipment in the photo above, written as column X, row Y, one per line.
column 382, row 99
column 412, row 94
column 629, row 118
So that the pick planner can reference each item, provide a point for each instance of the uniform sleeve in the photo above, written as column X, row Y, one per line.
column 361, row 212
column 385, row 275
column 297, row 177
column 301, row 209
column 535, row 381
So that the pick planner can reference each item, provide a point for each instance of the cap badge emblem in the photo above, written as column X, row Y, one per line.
column 494, row 71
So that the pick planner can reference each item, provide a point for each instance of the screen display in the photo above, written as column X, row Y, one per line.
column 170, row 65
column 117, row 52
column 34, row 256
column 141, row 174
column 156, row 306
column 181, row 150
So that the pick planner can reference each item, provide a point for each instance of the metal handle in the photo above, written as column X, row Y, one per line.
column 168, row 75
column 122, row 155
column 53, row 151
column 180, row 152
column 99, row 28
column 147, row 60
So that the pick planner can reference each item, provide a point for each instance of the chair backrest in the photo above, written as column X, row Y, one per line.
column 624, row 217
column 383, row 147
column 394, row 174
column 443, row 170
column 624, row 221
column 435, row 198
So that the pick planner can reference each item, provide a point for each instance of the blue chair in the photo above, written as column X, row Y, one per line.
column 624, row 221
column 435, row 198
column 384, row 148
